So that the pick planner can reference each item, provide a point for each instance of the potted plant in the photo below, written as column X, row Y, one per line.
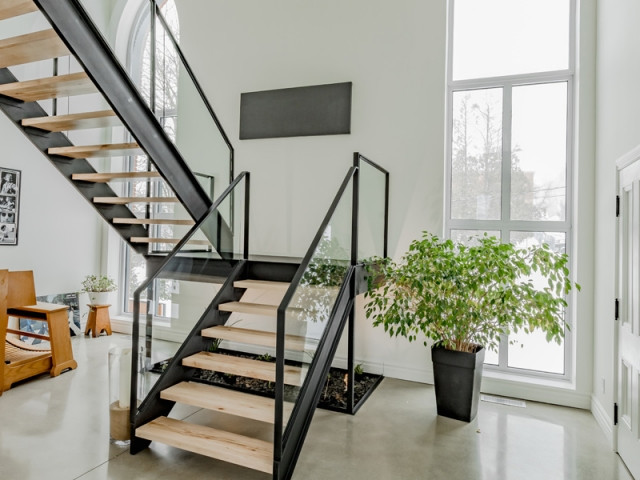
column 464, row 298
column 98, row 288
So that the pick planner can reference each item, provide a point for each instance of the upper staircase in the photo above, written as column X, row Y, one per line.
column 272, row 320
column 139, row 182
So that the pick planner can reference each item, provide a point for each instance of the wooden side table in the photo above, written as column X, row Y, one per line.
column 98, row 320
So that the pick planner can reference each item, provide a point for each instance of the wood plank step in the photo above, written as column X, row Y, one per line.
column 74, row 121
column 224, row 400
column 280, row 287
column 15, row 8
column 253, row 337
column 108, row 177
column 252, row 308
column 97, row 151
column 126, row 200
column 172, row 241
column 51, row 87
column 152, row 221
column 229, row 447
column 245, row 367
column 32, row 47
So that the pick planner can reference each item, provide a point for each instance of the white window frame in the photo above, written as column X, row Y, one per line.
column 135, row 52
column 505, row 227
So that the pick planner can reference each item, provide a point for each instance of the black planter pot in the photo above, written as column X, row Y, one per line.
column 457, row 378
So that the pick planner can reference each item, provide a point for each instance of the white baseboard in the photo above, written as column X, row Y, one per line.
column 603, row 420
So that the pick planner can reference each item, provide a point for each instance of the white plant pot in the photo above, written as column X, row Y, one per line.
column 99, row 298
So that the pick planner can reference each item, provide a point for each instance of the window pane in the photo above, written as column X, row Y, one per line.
column 476, row 154
column 532, row 351
column 469, row 237
column 539, row 152
column 506, row 37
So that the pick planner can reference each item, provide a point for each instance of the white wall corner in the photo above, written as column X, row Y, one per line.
column 603, row 420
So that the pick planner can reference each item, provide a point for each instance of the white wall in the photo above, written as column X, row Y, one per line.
column 59, row 235
column 394, row 53
column 618, row 131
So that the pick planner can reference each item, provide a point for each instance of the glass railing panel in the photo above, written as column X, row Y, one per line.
column 371, row 211
column 200, row 142
column 145, row 39
column 179, row 294
column 309, row 311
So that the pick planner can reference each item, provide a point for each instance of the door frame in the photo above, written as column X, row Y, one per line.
column 629, row 158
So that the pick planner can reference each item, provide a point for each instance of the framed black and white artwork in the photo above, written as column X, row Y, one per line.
column 9, row 205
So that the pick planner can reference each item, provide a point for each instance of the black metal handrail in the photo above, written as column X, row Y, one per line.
column 146, row 285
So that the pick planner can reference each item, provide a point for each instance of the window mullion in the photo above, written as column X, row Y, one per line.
column 506, row 153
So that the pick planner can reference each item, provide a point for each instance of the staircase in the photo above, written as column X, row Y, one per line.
column 126, row 198
column 295, row 310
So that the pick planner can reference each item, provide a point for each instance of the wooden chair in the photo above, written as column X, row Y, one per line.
column 21, row 361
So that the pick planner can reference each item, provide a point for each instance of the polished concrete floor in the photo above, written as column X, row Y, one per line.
column 58, row 429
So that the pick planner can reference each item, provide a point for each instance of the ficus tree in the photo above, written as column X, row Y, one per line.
column 463, row 296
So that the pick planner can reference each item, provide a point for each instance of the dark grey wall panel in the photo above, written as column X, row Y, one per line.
column 295, row 112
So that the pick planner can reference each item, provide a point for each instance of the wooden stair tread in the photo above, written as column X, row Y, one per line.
column 125, row 200
column 32, row 47
column 152, row 221
column 229, row 447
column 252, row 308
column 74, row 121
column 172, row 241
column 50, row 87
column 253, row 337
column 262, row 285
column 15, row 8
column 224, row 400
column 245, row 367
column 107, row 177
column 95, row 151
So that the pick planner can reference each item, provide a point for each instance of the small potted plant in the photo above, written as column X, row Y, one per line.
column 98, row 287
column 464, row 298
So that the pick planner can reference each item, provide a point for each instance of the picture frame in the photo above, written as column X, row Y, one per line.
column 9, row 205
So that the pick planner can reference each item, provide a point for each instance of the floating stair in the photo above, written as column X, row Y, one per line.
column 152, row 221
column 126, row 200
column 253, row 337
column 15, row 8
column 74, row 121
column 108, row 177
column 172, row 241
column 50, row 87
column 252, row 308
column 229, row 447
column 98, row 151
column 32, row 47
column 244, row 367
column 223, row 400
column 280, row 287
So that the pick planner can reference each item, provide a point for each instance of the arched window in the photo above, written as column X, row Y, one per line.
column 160, row 90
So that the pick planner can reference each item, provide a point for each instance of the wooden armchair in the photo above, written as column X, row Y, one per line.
column 21, row 361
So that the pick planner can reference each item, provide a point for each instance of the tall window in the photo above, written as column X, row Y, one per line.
column 161, row 94
column 510, row 90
